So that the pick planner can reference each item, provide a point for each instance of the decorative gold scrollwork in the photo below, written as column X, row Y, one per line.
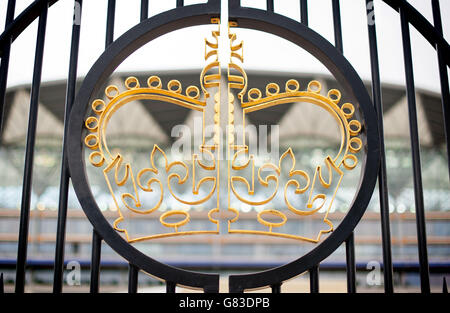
column 296, row 179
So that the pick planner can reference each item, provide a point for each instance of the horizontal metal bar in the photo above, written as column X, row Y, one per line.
column 411, row 267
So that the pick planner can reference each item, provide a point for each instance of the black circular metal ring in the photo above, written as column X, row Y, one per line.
column 249, row 18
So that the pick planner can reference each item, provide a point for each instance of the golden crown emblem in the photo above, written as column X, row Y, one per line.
column 143, row 191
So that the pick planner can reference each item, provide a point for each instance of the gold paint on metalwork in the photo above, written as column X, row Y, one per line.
column 93, row 156
column 132, row 82
column 348, row 110
column 89, row 121
column 176, row 224
column 98, row 106
column 273, row 213
column 152, row 80
column 290, row 83
column 193, row 89
column 268, row 175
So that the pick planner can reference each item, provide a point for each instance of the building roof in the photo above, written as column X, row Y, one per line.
column 151, row 118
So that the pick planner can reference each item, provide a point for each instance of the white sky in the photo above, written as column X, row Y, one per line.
column 184, row 49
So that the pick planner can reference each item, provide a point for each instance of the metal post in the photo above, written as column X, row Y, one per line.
column 144, row 10
column 337, row 25
column 351, row 266
column 96, row 239
column 350, row 242
column 304, row 11
column 415, row 150
column 29, row 153
column 95, row 262
column 64, row 181
column 314, row 279
column 133, row 273
column 110, row 22
column 269, row 5
column 276, row 288
column 382, row 175
column 170, row 287
column 444, row 286
column 5, row 63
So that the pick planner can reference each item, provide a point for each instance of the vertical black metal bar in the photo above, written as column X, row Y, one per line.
column 337, row 25
column 304, row 11
column 64, row 180
column 110, row 17
column 350, row 241
column 95, row 262
column 415, row 150
column 444, row 286
column 444, row 78
column 29, row 153
column 2, row 288
column 276, row 288
column 180, row 3
column 170, row 287
column 314, row 279
column 96, row 239
column 382, row 176
column 5, row 63
column 144, row 10
column 351, row 265
column 133, row 273
column 270, row 7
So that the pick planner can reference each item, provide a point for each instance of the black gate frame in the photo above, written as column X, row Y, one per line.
column 255, row 19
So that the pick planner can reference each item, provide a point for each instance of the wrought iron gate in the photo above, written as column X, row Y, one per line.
column 332, row 55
